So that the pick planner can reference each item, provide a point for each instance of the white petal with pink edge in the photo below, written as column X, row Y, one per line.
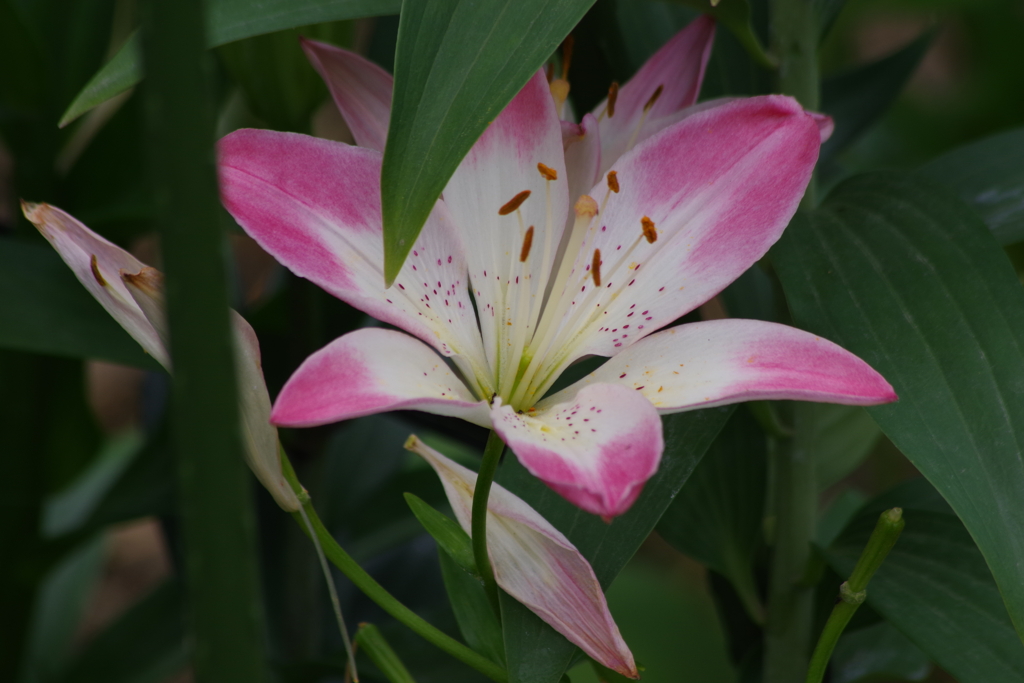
column 315, row 206
column 718, row 362
column 97, row 263
column 360, row 88
column 678, row 69
column 501, row 165
column 747, row 163
column 595, row 447
column 536, row 564
column 369, row 371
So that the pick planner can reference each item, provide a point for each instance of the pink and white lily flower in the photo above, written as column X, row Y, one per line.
column 132, row 293
column 536, row 564
column 493, row 311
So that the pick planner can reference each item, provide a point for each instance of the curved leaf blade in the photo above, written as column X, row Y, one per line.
column 226, row 21
column 989, row 176
column 457, row 64
column 907, row 277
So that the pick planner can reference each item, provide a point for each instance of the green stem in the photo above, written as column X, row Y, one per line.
column 854, row 591
column 795, row 36
column 214, row 495
column 366, row 583
column 488, row 466
column 787, row 634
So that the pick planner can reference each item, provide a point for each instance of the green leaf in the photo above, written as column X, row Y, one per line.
column 372, row 642
column 146, row 645
column 226, row 21
column 449, row 535
column 535, row 652
column 857, row 98
column 457, row 65
column 908, row 278
column 716, row 518
column 58, row 610
column 877, row 651
column 989, row 176
column 839, row 437
column 68, row 509
column 52, row 313
column 477, row 621
column 735, row 15
column 936, row 588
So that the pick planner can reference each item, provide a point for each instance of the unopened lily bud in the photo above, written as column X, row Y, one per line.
column 132, row 293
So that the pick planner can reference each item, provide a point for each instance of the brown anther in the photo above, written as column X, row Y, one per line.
column 549, row 71
column 567, row 46
column 647, row 225
column 514, row 203
column 613, row 181
column 654, row 98
column 96, row 271
column 613, row 94
column 595, row 268
column 548, row 172
column 585, row 207
column 527, row 243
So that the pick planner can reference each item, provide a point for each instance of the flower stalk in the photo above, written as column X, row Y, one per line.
column 854, row 591
column 488, row 466
column 369, row 586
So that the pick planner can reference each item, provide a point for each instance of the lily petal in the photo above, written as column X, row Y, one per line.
column 373, row 370
column 537, row 565
column 596, row 447
column 502, row 164
column 97, row 263
column 315, row 206
column 260, row 446
column 678, row 69
column 718, row 362
column 747, row 163
column 360, row 88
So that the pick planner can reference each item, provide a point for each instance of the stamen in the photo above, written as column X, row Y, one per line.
column 96, row 271
column 567, row 46
column 549, row 71
column 647, row 225
column 527, row 243
column 559, row 91
column 548, row 172
column 613, row 181
column 654, row 98
column 514, row 203
column 585, row 207
column 595, row 268
column 613, row 94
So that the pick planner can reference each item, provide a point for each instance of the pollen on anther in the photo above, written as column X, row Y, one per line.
column 613, row 181
column 585, row 207
column 548, row 172
column 654, row 98
column 595, row 268
column 613, row 94
column 650, row 232
column 527, row 243
column 514, row 203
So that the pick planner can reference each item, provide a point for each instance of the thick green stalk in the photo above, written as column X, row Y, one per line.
column 854, row 591
column 488, row 466
column 795, row 37
column 787, row 635
column 366, row 583
column 214, row 493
